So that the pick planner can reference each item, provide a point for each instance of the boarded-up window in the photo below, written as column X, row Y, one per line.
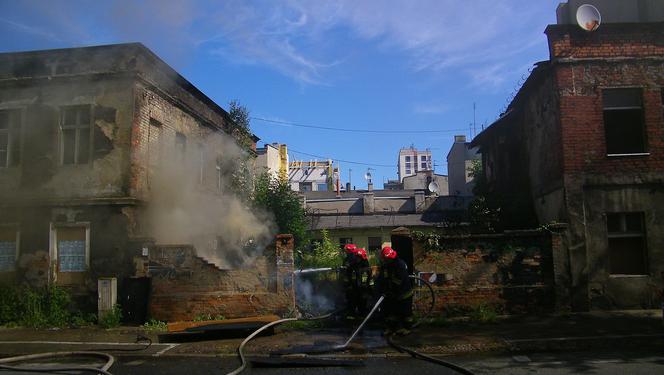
column 8, row 248
column 75, row 135
column 10, row 138
column 72, row 249
column 627, row 243
column 623, row 121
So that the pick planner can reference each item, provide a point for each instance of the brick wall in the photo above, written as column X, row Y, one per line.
column 512, row 272
column 610, row 40
column 184, row 285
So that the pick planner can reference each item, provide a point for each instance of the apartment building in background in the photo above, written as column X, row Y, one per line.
column 460, row 160
column 313, row 175
column 412, row 161
column 273, row 159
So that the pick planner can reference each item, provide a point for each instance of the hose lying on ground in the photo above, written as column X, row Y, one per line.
column 418, row 355
column 240, row 349
column 56, row 369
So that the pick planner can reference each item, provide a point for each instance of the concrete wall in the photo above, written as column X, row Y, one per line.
column 421, row 180
column 268, row 160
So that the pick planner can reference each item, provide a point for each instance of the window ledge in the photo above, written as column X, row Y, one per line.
column 632, row 154
column 621, row 276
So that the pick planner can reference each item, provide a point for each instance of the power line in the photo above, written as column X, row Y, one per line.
column 340, row 160
column 288, row 123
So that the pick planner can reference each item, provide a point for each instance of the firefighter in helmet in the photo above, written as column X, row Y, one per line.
column 394, row 283
column 355, row 279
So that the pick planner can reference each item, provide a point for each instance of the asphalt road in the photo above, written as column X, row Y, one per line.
column 619, row 363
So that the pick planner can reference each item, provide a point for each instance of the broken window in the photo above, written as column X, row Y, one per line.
column 624, row 126
column 9, row 236
column 627, row 243
column 375, row 243
column 75, row 135
column 72, row 248
column 180, row 145
column 10, row 138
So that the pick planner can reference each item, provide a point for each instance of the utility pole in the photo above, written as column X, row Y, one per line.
column 474, row 128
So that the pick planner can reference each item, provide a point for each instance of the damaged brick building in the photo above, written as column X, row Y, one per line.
column 582, row 143
column 81, row 131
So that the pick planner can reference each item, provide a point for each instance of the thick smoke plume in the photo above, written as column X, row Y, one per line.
column 192, row 202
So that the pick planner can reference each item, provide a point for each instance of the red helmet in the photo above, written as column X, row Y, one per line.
column 388, row 253
column 350, row 248
column 361, row 253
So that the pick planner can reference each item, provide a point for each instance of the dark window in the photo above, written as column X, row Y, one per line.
column 180, row 145
column 305, row 186
column 627, row 243
column 407, row 158
column 344, row 241
column 375, row 243
column 10, row 138
column 423, row 158
column 75, row 134
column 424, row 165
column 623, row 121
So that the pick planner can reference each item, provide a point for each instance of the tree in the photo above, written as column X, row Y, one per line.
column 239, row 114
column 324, row 253
column 484, row 210
column 276, row 196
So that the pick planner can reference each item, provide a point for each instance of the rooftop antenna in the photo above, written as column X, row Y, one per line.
column 588, row 17
column 474, row 128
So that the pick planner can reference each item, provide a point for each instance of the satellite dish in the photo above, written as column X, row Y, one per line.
column 433, row 187
column 588, row 17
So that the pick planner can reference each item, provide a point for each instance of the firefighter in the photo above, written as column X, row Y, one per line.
column 354, row 281
column 364, row 281
column 394, row 283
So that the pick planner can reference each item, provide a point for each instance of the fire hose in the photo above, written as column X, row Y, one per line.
column 59, row 369
column 343, row 346
column 418, row 355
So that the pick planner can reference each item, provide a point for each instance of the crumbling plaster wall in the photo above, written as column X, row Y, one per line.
column 40, row 174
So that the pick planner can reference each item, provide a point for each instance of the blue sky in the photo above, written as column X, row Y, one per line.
column 375, row 65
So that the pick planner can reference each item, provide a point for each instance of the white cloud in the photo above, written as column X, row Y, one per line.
column 295, row 37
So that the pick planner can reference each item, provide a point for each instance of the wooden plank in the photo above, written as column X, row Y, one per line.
column 182, row 326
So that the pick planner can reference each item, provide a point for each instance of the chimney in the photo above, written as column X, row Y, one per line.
column 370, row 186
column 459, row 138
column 347, row 186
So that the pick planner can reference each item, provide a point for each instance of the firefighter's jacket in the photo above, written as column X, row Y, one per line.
column 393, row 280
column 356, row 273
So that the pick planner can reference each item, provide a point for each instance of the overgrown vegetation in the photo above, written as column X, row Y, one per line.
column 206, row 317
column 484, row 210
column 154, row 325
column 275, row 195
column 323, row 253
column 111, row 318
column 239, row 114
column 36, row 308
